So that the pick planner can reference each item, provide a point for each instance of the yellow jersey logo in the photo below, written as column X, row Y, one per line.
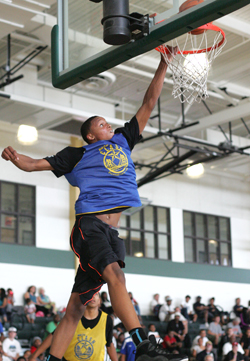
column 115, row 159
column 84, row 348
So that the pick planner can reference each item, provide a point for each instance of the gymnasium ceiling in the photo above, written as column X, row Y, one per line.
column 228, row 84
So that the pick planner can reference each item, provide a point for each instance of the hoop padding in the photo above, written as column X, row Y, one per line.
column 191, row 65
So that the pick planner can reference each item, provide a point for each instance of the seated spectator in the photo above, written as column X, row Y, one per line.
column 1, row 332
column 155, row 305
column 106, row 304
column 203, row 335
column 128, row 349
column 201, row 310
column 245, row 342
column 21, row 358
column 235, row 325
column 119, row 341
column 201, row 356
column 36, row 342
column 152, row 331
column 182, row 318
column 234, row 354
column 228, row 346
column 30, row 310
column 212, row 310
column 179, row 331
column 166, row 310
column 11, row 347
column 197, row 348
column 238, row 308
column 170, row 343
column 27, row 354
column 215, row 331
column 45, row 301
column 10, row 303
column 224, row 339
column 52, row 325
column 31, row 293
column 135, row 304
column 187, row 310
column 3, row 305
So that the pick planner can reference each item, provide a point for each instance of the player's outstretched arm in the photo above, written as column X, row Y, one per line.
column 153, row 92
column 25, row 163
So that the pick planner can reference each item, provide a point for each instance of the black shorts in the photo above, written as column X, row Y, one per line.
column 97, row 245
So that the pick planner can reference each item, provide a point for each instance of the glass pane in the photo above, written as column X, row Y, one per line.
column 212, row 227
column 26, row 200
column 26, row 234
column 8, row 197
column 188, row 224
column 224, row 228
column 162, row 219
column 225, row 254
column 200, row 225
column 201, row 251
column 137, row 249
column 127, row 244
column 162, row 246
column 149, row 218
column 8, row 229
column 189, row 250
column 149, row 245
column 122, row 221
column 135, row 220
column 213, row 248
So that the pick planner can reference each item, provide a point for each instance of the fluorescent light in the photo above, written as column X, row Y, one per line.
column 23, row 8
column 11, row 23
column 37, row 3
column 138, row 254
column 195, row 171
column 196, row 65
column 27, row 135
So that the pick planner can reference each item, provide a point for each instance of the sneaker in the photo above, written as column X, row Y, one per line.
column 149, row 350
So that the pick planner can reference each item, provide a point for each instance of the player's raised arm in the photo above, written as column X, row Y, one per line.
column 153, row 92
column 25, row 163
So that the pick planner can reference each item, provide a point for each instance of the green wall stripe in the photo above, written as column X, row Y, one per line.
column 32, row 256
column 153, row 267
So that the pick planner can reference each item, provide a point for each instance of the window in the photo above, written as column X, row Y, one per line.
column 147, row 233
column 17, row 213
column 207, row 239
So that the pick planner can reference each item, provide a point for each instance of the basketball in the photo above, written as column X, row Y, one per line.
column 187, row 5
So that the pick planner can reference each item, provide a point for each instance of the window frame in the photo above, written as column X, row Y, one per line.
column 194, row 237
column 128, row 240
column 17, row 213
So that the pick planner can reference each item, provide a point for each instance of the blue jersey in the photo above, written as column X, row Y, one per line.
column 104, row 172
column 128, row 349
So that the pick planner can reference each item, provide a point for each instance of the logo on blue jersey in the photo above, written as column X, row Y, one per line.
column 84, row 348
column 115, row 159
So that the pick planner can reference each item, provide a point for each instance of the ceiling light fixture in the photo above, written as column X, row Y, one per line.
column 23, row 8
column 37, row 3
column 195, row 171
column 138, row 254
column 27, row 135
column 11, row 23
column 8, row 1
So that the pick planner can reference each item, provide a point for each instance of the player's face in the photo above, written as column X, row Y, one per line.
column 95, row 302
column 100, row 130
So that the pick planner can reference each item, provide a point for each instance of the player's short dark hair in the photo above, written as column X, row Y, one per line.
column 85, row 128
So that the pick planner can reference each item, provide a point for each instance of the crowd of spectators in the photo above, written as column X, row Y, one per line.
column 220, row 335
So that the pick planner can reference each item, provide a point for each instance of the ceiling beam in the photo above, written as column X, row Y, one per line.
column 234, row 25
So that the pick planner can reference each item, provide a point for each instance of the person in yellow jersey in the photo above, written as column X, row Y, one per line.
column 93, row 333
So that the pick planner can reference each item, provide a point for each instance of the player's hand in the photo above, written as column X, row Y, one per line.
column 10, row 154
column 170, row 54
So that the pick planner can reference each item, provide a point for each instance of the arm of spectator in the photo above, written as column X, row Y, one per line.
column 112, row 352
column 122, row 358
column 42, row 348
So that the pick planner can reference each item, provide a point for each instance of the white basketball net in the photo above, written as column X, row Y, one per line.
column 190, row 72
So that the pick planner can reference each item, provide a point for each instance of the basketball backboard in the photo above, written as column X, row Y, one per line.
column 78, row 51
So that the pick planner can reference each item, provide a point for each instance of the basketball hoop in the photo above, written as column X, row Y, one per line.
column 191, row 65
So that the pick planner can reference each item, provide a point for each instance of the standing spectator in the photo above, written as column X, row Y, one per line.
column 155, row 305
column 3, row 304
column 179, row 331
column 229, row 346
column 52, row 325
column 238, row 308
column 11, row 347
column 128, row 349
column 208, row 351
column 235, row 325
column 201, row 310
column 234, row 354
column 215, row 331
column 203, row 335
column 212, row 309
column 245, row 342
column 170, row 343
column 10, row 303
column 187, row 310
column 30, row 310
column 198, row 348
column 166, row 309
